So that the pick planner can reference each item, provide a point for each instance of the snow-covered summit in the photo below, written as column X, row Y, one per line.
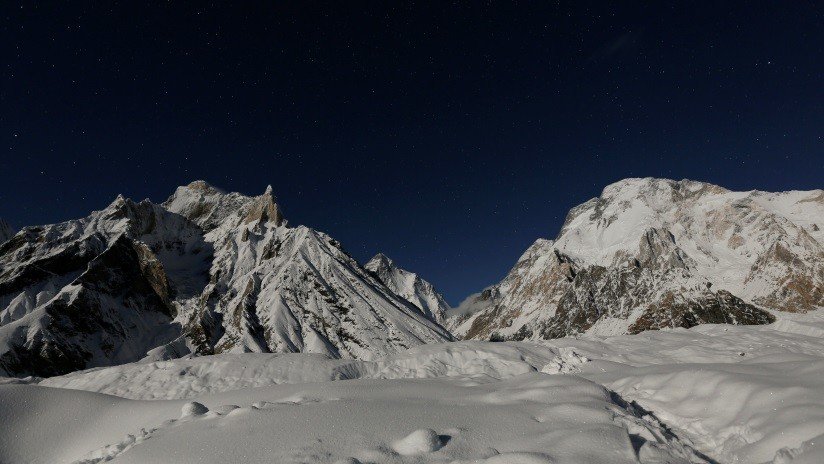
column 648, row 253
column 208, row 206
column 204, row 272
column 410, row 286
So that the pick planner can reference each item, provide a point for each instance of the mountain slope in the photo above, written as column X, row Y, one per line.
column 6, row 232
column 94, row 291
column 206, row 272
column 655, row 253
column 410, row 286
column 283, row 289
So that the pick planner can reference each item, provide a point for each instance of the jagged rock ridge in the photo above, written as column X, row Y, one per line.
column 654, row 253
column 205, row 272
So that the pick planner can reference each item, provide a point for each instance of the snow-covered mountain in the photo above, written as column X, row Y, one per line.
column 6, row 232
column 287, row 289
column 205, row 272
column 410, row 286
column 654, row 253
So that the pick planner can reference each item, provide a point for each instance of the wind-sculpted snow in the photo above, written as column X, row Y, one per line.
column 739, row 393
column 532, row 418
column 654, row 253
column 713, row 393
column 188, row 378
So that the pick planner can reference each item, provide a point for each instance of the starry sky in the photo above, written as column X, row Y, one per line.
column 449, row 136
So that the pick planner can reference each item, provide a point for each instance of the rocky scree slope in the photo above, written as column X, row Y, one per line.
column 205, row 272
column 655, row 253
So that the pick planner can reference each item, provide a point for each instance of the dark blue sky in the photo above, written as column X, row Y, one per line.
column 449, row 137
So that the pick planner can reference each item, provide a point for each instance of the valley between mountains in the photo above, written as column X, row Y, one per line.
column 667, row 322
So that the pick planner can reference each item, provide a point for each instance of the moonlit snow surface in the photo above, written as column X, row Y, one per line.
column 714, row 393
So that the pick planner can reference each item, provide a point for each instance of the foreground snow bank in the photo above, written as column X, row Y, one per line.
column 530, row 418
column 738, row 394
column 742, row 394
column 187, row 378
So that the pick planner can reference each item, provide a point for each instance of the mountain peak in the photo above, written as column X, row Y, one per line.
column 410, row 286
column 648, row 186
column 652, row 253
column 265, row 209
column 208, row 206
column 202, row 186
column 381, row 260
column 119, row 202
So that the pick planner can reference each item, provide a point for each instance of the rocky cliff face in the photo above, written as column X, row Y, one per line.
column 410, row 286
column 655, row 253
column 205, row 272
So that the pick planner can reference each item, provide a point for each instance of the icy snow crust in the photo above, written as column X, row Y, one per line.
column 713, row 393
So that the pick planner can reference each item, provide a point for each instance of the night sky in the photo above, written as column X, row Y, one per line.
column 448, row 136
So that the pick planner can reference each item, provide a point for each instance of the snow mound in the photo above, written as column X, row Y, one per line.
column 192, row 409
column 109, row 452
column 811, row 325
column 807, row 453
column 567, row 362
column 366, row 420
column 733, row 408
column 468, row 358
column 418, row 442
column 194, row 376
column 512, row 458
column 225, row 409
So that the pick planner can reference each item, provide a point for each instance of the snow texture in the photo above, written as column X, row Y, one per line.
column 676, row 395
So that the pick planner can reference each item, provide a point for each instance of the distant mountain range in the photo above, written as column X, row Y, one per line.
column 211, row 272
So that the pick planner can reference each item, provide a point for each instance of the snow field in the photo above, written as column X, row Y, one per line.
column 677, row 396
